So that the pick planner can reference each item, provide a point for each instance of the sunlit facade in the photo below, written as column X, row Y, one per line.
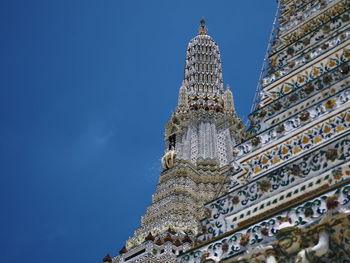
column 278, row 191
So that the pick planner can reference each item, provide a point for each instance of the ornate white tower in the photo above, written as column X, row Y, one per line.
column 205, row 124
column 199, row 139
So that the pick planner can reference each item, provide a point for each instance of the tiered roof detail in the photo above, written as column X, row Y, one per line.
column 203, row 73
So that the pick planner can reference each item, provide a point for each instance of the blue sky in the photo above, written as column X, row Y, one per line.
column 86, row 88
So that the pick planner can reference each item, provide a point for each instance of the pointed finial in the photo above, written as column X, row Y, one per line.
column 202, row 28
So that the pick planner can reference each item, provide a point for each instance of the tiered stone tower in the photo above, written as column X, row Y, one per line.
column 199, row 141
column 289, row 197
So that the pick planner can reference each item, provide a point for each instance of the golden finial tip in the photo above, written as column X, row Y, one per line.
column 202, row 28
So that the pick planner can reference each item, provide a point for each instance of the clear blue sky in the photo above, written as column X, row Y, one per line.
column 86, row 87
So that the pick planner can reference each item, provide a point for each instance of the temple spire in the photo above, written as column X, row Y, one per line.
column 202, row 28
column 203, row 73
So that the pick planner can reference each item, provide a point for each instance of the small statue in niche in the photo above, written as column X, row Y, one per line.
column 168, row 159
column 169, row 156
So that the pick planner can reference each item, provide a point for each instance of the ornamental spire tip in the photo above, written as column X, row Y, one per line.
column 202, row 28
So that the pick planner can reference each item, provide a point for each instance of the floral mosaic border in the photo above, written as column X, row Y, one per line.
column 280, row 66
column 308, row 9
column 307, row 140
column 310, row 166
column 285, row 102
column 314, row 71
column 312, row 25
column 301, row 215
column 293, row 123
